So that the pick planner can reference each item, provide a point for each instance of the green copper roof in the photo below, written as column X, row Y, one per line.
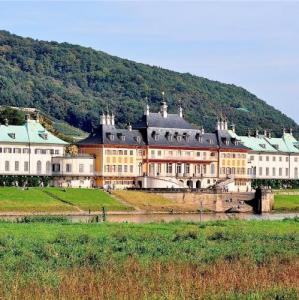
column 31, row 132
column 287, row 143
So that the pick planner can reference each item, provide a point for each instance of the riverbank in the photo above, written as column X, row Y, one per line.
column 179, row 260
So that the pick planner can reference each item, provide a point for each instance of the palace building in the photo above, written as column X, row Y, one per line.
column 163, row 150
column 271, row 157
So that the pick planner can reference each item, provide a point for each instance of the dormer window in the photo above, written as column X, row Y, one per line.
column 121, row 136
column 110, row 136
column 138, row 139
column 155, row 135
column 198, row 137
column 276, row 146
column 169, row 136
column 43, row 135
column 12, row 135
column 179, row 138
column 263, row 145
column 186, row 136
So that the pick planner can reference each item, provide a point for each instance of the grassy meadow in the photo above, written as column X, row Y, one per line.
column 51, row 200
column 286, row 203
column 153, row 202
column 213, row 260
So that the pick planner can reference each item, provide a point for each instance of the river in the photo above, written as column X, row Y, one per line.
column 147, row 218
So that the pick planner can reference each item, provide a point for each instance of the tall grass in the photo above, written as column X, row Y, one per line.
column 231, row 259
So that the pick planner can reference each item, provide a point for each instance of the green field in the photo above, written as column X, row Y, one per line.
column 56, row 200
column 286, row 203
column 32, row 200
column 213, row 260
column 86, row 199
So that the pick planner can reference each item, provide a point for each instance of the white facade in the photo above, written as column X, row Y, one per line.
column 26, row 159
column 274, row 165
column 73, row 171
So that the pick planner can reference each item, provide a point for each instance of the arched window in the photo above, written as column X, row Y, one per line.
column 48, row 167
column 39, row 167
column 212, row 169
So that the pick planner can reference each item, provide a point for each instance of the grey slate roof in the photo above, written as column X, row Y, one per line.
column 227, row 141
column 157, row 120
column 109, row 134
column 155, row 130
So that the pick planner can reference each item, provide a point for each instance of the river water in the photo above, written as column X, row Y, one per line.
column 148, row 218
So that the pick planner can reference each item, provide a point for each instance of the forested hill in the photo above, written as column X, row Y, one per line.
column 74, row 84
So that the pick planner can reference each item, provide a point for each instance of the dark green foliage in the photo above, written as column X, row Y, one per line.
column 276, row 183
column 43, row 219
column 75, row 84
column 24, row 180
column 13, row 116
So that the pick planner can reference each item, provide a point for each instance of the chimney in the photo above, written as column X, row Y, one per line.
column 269, row 134
column 225, row 126
column 103, row 119
column 146, row 110
column 113, row 119
column 284, row 131
column 256, row 132
column 164, row 109
column 249, row 132
column 233, row 127
column 218, row 125
column 202, row 130
column 129, row 127
column 291, row 131
column 108, row 119
column 265, row 133
column 6, row 122
column 37, row 116
column 180, row 111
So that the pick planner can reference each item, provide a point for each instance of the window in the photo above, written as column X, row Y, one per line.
column 7, row 150
column 26, row 166
column 81, row 168
column 131, row 168
column 169, row 168
column 296, row 172
column 267, row 158
column 287, row 159
column 159, row 153
column 159, row 169
column 280, row 171
column 267, row 171
column 68, row 168
column 280, row 158
column 212, row 169
column 152, row 153
column 274, row 158
column 198, row 154
column 260, row 171
column 119, row 168
column 131, row 152
column 152, row 169
column 56, row 168
column 260, row 158
column 187, row 168
column 25, row 150
column 178, row 168
column 17, row 166
column 6, row 165
column 17, row 150
column 39, row 167
column 287, row 172
column 56, row 151
column 48, row 167
column 273, row 172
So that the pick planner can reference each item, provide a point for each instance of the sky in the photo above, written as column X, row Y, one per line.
column 253, row 44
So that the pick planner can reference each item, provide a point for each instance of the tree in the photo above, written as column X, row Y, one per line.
column 13, row 116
